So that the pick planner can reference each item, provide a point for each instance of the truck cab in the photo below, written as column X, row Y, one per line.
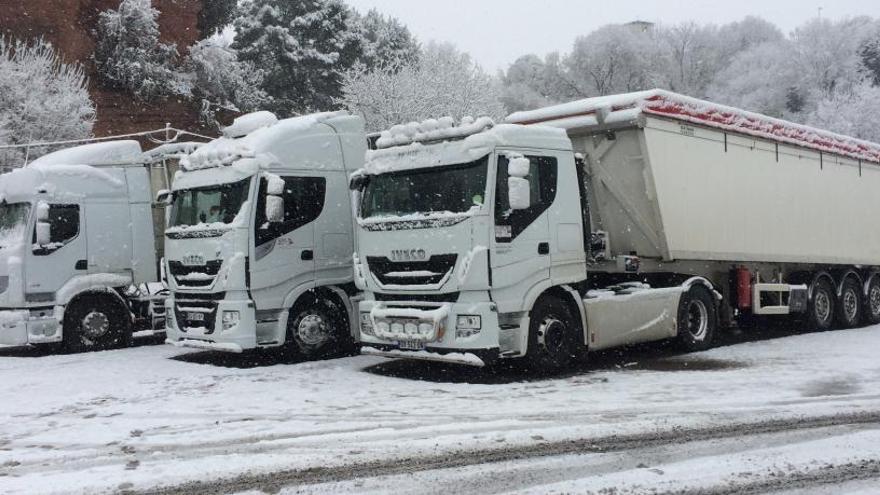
column 77, row 249
column 259, row 240
column 460, row 229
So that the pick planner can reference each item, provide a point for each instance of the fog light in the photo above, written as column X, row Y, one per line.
column 412, row 329
column 426, row 328
column 230, row 319
column 366, row 324
column 467, row 326
column 397, row 328
column 382, row 328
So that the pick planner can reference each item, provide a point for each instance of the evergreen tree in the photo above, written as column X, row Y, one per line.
column 870, row 54
column 303, row 46
column 216, row 15
column 128, row 53
column 387, row 41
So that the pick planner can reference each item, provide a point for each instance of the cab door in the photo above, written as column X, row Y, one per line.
column 51, row 264
column 521, row 246
column 284, row 252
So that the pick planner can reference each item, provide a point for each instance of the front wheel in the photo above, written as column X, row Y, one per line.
column 96, row 322
column 697, row 318
column 318, row 328
column 553, row 336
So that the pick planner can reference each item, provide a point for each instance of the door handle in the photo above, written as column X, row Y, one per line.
column 307, row 255
column 544, row 248
column 81, row 265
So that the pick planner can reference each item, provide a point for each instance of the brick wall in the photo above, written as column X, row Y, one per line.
column 69, row 25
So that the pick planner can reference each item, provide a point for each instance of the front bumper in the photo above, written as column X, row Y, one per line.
column 22, row 327
column 444, row 343
column 242, row 336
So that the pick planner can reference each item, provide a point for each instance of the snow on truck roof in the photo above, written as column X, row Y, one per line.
column 251, row 135
column 438, row 142
column 604, row 110
column 96, row 154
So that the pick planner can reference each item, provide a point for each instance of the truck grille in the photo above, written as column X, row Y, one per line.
column 187, row 306
column 429, row 272
column 196, row 277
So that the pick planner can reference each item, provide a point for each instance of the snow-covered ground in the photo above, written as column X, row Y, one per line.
column 783, row 413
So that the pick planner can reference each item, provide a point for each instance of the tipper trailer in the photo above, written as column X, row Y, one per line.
column 610, row 221
column 260, row 239
column 78, row 255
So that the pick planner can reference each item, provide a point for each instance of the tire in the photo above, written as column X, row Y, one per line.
column 871, row 310
column 820, row 307
column 553, row 337
column 849, row 304
column 318, row 328
column 96, row 322
column 697, row 319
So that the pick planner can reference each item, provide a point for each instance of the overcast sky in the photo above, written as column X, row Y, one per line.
column 496, row 32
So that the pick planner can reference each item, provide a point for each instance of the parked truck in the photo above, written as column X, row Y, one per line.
column 260, row 238
column 78, row 258
column 610, row 221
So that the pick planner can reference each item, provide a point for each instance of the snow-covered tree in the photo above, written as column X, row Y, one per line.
column 442, row 82
column 387, row 41
column 854, row 112
column 870, row 53
column 41, row 99
column 615, row 59
column 763, row 78
column 694, row 58
column 219, row 79
column 129, row 55
column 215, row 16
column 532, row 82
column 303, row 47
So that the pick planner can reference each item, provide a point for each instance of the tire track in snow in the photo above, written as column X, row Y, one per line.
column 274, row 481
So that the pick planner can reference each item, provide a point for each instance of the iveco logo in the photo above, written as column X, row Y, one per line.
column 193, row 260
column 408, row 255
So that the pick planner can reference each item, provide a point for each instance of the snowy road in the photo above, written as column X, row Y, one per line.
column 796, row 412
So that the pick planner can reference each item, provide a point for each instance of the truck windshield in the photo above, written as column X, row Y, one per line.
column 13, row 222
column 447, row 189
column 208, row 205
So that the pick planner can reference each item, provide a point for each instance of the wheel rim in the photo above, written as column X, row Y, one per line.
column 312, row 331
column 823, row 306
column 697, row 319
column 551, row 335
column 850, row 305
column 874, row 300
column 95, row 325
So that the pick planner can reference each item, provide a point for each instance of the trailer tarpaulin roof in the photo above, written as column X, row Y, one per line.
column 605, row 110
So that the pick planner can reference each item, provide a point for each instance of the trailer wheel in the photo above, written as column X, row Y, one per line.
column 95, row 322
column 849, row 307
column 820, row 310
column 871, row 311
column 552, row 336
column 697, row 318
column 317, row 328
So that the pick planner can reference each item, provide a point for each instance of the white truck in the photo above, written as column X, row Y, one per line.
column 610, row 221
column 260, row 238
column 78, row 258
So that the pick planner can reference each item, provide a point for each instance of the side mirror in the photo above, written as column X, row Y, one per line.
column 518, row 193
column 44, row 233
column 519, row 167
column 42, row 211
column 274, row 209
column 163, row 197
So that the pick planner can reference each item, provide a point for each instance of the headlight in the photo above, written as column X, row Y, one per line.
column 366, row 324
column 230, row 319
column 467, row 326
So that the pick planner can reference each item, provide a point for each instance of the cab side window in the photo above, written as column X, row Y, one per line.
column 303, row 203
column 63, row 227
column 542, row 188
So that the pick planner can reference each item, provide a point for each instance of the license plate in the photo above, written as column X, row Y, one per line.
column 412, row 345
column 195, row 316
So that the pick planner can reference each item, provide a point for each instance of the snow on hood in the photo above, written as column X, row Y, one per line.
column 621, row 108
column 107, row 153
column 227, row 150
column 418, row 155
